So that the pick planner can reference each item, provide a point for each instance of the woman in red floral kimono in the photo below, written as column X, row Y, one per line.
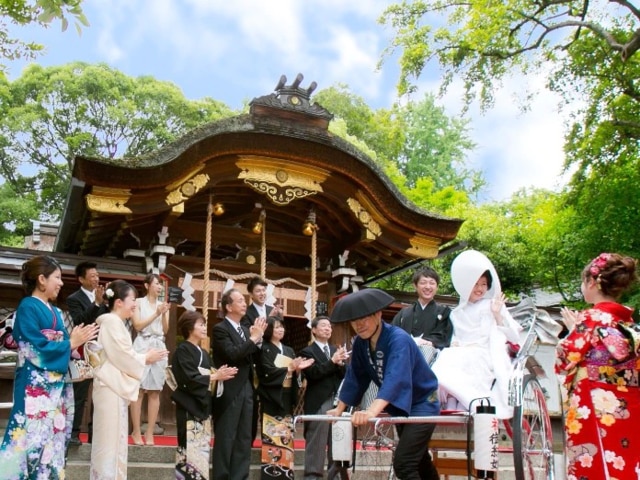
column 600, row 358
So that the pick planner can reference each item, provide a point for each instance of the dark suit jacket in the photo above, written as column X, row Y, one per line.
column 323, row 377
column 82, row 309
column 251, row 315
column 272, row 377
column 229, row 349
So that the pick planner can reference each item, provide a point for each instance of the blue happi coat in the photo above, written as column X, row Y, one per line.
column 400, row 371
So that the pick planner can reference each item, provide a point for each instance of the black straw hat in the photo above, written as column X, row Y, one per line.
column 360, row 304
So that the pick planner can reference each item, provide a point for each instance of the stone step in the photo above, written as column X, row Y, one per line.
column 157, row 463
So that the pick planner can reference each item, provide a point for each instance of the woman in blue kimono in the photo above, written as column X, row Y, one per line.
column 389, row 357
column 39, row 428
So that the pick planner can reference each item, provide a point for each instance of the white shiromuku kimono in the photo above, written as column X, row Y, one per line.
column 116, row 383
column 478, row 355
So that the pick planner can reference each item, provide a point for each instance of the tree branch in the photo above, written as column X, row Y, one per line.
column 629, row 6
column 626, row 124
column 631, row 47
column 595, row 28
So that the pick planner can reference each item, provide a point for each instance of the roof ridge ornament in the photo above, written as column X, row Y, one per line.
column 293, row 93
column 292, row 100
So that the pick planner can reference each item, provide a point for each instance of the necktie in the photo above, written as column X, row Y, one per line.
column 241, row 333
column 326, row 352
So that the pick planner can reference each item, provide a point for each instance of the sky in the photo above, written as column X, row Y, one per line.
column 236, row 50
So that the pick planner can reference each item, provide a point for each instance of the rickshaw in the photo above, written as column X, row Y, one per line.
column 529, row 431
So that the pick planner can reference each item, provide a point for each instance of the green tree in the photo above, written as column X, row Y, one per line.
column 16, row 213
column 381, row 130
column 51, row 115
column 606, row 127
column 428, row 196
column 607, row 212
column 41, row 12
column 412, row 142
column 515, row 235
column 590, row 48
column 435, row 147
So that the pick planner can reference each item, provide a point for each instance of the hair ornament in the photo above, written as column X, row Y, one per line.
column 598, row 264
column 109, row 293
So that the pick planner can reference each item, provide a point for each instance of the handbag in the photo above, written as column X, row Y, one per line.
column 170, row 378
column 81, row 369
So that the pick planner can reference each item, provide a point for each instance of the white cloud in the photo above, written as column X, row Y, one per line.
column 236, row 50
column 108, row 47
column 353, row 56
column 267, row 27
column 516, row 148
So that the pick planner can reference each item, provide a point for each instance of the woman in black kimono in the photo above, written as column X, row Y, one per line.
column 279, row 374
column 191, row 368
column 278, row 371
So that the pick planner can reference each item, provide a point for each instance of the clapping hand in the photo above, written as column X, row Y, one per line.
column 155, row 355
column 99, row 294
column 340, row 356
column 300, row 363
column 81, row 334
column 162, row 308
column 277, row 310
column 224, row 373
column 256, row 331
column 569, row 317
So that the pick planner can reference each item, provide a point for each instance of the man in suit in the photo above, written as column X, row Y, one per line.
column 234, row 345
column 85, row 305
column 323, row 381
column 425, row 320
column 257, row 288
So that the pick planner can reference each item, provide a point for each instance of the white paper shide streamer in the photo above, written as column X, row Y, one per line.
column 228, row 286
column 271, row 300
column 485, row 440
column 307, row 307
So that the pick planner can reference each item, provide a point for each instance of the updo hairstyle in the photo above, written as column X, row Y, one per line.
column 613, row 273
column 33, row 268
column 118, row 290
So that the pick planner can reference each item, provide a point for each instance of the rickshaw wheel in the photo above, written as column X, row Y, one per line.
column 532, row 437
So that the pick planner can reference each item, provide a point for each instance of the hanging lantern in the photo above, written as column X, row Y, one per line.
column 218, row 209
column 257, row 228
column 485, row 440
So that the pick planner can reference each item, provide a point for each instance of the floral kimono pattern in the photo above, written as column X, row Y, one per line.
column 602, row 405
column 39, row 427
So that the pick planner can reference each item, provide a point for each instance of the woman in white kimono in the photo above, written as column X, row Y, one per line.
column 116, row 383
column 477, row 364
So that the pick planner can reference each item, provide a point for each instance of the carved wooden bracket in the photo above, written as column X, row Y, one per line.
column 278, row 180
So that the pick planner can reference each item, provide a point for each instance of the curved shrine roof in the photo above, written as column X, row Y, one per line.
column 279, row 158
